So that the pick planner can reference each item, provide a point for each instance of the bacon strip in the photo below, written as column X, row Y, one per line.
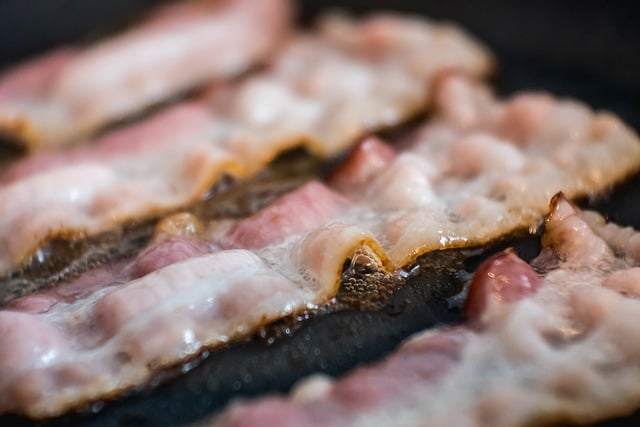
column 484, row 167
column 320, row 401
column 318, row 93
column 462, row 181
column 411, row 377
column 504, row 278
column 70, row 93
column 428, row 196
column 553, row 348
column 98, row 335
column 110, row 341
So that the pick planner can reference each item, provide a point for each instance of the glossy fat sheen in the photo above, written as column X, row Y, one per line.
column 461, row 181
column 484, row 167
column 429, row 196
column 318, row 93
column 111, row 328
column 479, row 169
column 70, row 93
column 114, row 338
column 566, row 353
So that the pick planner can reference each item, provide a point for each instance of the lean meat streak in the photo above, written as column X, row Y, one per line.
column 321, row 92
column 539, row 347
column 556, row 337
column 429, row 196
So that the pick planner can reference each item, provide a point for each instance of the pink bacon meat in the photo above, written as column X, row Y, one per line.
column 318, row 93
column 504, row 278
column 424, row 197
column 538, row 348
column 184, row 285
column 202, row 301
column 68, row 94
column 383, row 394
column 412, row 201
column 376, row 219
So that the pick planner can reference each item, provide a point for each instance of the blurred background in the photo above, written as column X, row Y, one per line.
column 584, row 48
column 597, row 37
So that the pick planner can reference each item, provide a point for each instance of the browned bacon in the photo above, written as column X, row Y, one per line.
column 182, row 284
column 447, row 188
column 552, row 348
column 78, row 350
column 461, row 181
column 317, row 93
column 369, row 395
column 68, row 94
column 422, row 198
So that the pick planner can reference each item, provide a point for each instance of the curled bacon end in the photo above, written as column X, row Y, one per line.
column 503, row 278
column 368, row 158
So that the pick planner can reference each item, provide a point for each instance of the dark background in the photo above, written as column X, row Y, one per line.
column 584, row 48
column 600, row 37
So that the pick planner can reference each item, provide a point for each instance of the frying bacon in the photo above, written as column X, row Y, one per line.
column 459, row 183
column 203, row 301
column 318, row 93
column 313, row 204
column 409, row 377
column 566, row 353
column 368, row 158
column 320, row 401
column 504, row 278
column 67, row 95
column 198, row 295
column 426, row 197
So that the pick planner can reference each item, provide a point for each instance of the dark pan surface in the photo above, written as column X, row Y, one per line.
column 332, row 344
column 583, row 49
